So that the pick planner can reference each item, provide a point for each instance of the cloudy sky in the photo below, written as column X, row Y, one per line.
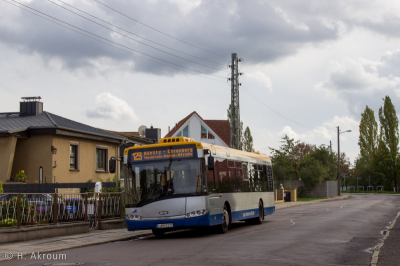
column 309, row 66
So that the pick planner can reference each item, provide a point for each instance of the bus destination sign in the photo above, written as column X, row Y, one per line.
column 175, row 152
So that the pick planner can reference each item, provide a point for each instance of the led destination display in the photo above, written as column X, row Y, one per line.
column 159, row 153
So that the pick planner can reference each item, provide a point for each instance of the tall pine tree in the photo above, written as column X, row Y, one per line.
column 247, row 144
column 389, row 125
column 368, row 139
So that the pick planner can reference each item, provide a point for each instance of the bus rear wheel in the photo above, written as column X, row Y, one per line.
column 223, row 228
column 158, row 232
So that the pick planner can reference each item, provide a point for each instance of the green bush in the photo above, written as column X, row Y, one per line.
column 8, row 223
column 1, row 187
column 301, row 192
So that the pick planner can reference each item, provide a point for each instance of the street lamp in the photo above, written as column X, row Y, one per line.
column 338, row 161
column 330, row 145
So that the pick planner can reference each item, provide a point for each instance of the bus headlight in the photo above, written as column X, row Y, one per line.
column 196, row 213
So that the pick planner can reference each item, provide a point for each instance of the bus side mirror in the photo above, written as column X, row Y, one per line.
column 112, row 165
column 210, row 163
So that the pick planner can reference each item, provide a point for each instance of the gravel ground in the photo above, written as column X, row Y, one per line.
column 389, row 254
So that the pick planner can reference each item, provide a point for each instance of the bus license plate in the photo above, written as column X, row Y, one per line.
column 165, row 225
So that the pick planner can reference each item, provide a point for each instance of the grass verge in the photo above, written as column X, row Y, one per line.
column 310, row 198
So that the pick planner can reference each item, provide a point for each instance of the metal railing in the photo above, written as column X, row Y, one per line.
column 34, row 209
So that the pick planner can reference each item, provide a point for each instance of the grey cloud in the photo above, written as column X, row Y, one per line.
column 360, row 82
column 259, row 31
column 390, row 64
column 255, row 30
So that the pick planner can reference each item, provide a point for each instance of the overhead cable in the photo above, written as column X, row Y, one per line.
column 134, row 39
column 116, row 42
column 159, row 30
column 199, row 75
column 140, row 36
column 261, row 102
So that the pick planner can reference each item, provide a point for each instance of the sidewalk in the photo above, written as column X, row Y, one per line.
column 53, row 244
column 284, row 205
column 95, row 237
column 386, row 254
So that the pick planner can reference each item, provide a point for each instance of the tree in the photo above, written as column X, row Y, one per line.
column 328, row 160
column 368, row 139
column 247, row 143
column 291, row 152
column 389, row 125
column 313, row 173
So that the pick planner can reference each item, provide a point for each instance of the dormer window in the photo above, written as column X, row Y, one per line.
column 205, row 134
column 184, row 132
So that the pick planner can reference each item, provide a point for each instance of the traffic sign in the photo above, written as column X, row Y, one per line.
column 358, row 177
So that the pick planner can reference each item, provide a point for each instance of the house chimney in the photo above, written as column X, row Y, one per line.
column 153, row 134
column 31, row 106
column 169, row 129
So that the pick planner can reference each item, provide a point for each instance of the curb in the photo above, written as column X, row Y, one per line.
column 300, row 203
column 90, row 243
column 374, row 261
column 353, row 194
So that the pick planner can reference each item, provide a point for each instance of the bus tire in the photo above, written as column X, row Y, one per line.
column 223, row 228
column 260, row 218
column 158, row 232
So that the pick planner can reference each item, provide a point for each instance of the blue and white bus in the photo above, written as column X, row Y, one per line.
column 179, row 183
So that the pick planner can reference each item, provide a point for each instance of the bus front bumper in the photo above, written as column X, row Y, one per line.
column 204, row 220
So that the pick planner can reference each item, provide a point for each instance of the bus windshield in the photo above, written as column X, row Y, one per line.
column 156, row 180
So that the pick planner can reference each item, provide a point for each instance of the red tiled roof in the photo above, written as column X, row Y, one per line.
column 132, row 133
column 221, row 127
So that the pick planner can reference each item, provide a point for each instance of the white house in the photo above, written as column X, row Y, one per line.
column 216, row 132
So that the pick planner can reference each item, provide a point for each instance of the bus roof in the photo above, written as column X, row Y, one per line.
column 176, row 141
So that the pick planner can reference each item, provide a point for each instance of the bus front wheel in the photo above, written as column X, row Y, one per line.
column 223, row 228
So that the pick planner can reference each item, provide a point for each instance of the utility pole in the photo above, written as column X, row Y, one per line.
column 236, row 140
column 338, row 160
column 338, row 156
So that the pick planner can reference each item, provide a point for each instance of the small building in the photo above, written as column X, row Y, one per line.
column 51, row 148
column 216, row 132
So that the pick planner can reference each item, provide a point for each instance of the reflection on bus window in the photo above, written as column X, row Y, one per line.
column 236, row 176
column 163, row 179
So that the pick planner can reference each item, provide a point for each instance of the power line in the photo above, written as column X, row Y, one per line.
column 116, row 42
column 140, row 36
column 134, row 39
column 261, row 102
column 159, row 30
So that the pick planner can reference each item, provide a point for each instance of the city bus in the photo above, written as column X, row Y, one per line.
column 183, row 184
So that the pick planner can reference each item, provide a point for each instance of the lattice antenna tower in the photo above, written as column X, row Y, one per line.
column 236, row 138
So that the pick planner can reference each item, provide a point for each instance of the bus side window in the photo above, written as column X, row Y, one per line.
column 223, row 175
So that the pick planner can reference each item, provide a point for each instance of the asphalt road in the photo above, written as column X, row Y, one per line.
column 327, row 233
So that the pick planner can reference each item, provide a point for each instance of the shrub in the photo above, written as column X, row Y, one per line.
column 1, row 187
column 8, row 223
column 301, row 192
column 21, row 176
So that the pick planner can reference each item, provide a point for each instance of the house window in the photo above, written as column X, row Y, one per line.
column 101, row 159
column 205, row 134
column 73, row 156
column 184, row 132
